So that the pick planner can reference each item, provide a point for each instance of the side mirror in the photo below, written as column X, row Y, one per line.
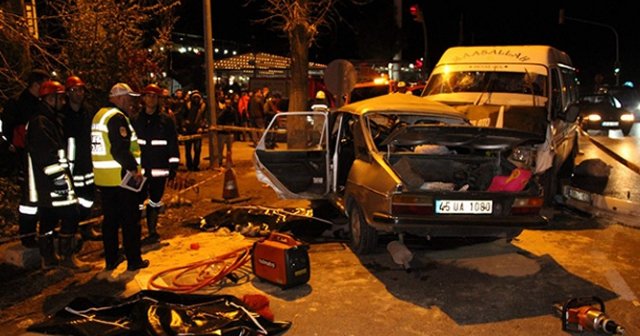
column 571, row 113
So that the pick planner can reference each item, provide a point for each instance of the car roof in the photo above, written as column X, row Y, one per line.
column 401, row 102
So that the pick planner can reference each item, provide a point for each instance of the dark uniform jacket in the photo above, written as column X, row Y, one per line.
column 158, row 142
column 77, row 131
column 46, row 160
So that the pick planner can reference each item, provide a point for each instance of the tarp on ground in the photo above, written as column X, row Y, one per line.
column 159, row 313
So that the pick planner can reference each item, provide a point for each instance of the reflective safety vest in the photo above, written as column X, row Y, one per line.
column 107, row 171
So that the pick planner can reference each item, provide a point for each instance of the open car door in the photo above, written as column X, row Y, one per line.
column 292, row 156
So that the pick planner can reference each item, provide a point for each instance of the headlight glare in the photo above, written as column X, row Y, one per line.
column 627, row 117
column 594, row 117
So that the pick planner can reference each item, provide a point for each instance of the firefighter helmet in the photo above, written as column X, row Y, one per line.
column 152, row 89
column 50, row 87
column 73, row 81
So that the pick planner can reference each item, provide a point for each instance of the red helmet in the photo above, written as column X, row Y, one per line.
column 152, row 89
column 50, row 87
column 73, row 81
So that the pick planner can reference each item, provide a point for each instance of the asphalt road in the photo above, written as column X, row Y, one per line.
column 455, row 287
column 624, row 183
column 464, row 287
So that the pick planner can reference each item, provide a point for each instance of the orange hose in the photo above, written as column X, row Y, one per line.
column 228, row 263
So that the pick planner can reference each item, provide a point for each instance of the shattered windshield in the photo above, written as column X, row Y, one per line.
column 487, row 81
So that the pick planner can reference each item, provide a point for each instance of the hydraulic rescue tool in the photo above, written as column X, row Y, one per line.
column 587, row 313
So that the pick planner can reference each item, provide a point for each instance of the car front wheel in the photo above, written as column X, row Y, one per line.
column 364, row 238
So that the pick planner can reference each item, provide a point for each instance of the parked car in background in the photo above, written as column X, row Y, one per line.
column 604, row 112
column 406, row 165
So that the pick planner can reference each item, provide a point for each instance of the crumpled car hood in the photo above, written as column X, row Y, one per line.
column 486, row 138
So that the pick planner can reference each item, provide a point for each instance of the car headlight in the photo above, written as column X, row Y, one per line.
column 523, row 155
column 627, row 117
column 594, row 117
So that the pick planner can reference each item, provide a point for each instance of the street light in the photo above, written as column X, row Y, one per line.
column 616, row 65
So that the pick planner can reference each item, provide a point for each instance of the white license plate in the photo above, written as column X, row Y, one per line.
column 610, row 123
column 463, row 207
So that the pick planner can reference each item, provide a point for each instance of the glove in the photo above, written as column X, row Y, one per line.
column 172, row 174
column 61, row 185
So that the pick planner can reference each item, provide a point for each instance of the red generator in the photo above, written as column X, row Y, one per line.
column 282, row 260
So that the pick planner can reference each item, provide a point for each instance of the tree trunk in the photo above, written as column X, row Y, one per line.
column 299, row 39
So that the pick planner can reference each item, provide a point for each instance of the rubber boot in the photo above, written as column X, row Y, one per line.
column 67, row 254
column 152, row 223
column 47, row 251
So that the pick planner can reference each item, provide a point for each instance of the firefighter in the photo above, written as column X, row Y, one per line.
column 115, row 154
column 76, row 122
column 158, row 141
column 48, row 179
column 17, row 113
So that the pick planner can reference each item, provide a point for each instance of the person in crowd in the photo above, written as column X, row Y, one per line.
column 193, row 123
column 266, row 92
column 243, row 112
column 116, row 154
column 228, row 116
column 176, row 105
column 256, row 116
column 15, row 116
column 402, row 87
column 159, row 152
column 165, row 104
column 271, row 107
column 319, row 103
column 49, row 179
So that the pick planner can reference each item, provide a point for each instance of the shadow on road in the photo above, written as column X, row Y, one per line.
column 482, row 283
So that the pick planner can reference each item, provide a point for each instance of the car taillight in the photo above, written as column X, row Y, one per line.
column 526, row 206
column 411, row 205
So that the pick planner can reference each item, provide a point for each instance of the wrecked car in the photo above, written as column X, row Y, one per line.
column 405, row 165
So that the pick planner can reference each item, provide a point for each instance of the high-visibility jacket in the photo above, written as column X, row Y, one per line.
column 114, row 147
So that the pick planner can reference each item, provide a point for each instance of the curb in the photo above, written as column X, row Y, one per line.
column 625, row 211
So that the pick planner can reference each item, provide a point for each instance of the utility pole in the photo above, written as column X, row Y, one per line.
column 418, row 16
column 211, row 89
column 616, row 65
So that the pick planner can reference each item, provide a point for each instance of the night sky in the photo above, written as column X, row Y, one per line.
column 361, row 32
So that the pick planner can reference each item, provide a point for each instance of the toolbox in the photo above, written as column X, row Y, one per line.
column 281, row 259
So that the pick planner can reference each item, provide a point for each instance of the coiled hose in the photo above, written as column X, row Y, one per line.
column 222, row 266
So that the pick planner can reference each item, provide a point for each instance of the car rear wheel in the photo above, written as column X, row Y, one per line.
column 364, row 238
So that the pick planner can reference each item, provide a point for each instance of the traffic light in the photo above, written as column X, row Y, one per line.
column 416, row 12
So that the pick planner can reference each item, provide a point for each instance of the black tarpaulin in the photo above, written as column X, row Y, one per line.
column 159, row 313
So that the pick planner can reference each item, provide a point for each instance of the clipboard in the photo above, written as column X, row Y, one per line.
column 128, row 182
